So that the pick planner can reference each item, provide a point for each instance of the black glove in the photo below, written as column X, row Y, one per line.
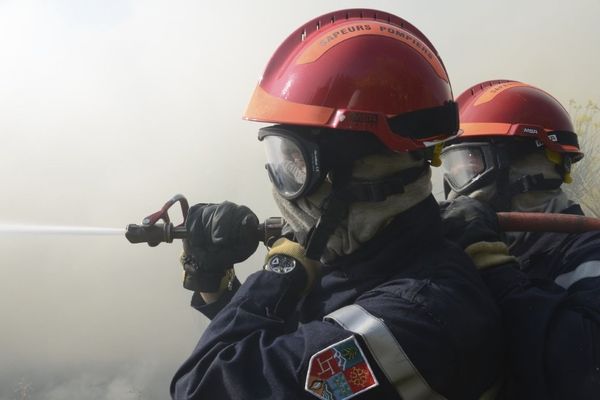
column 474, row 226
column 467, row 221
column 219, row 235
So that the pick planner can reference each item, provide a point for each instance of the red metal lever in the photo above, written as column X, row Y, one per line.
column 163, row 213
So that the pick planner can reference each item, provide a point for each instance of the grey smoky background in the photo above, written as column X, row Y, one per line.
column 110, row 107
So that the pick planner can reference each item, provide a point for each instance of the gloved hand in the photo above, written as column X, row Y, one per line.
column 474, row 226
column 219, row 235
column 306, row 270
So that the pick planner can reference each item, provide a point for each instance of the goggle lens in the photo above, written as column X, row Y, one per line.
column 286, row 165
column 463, row 165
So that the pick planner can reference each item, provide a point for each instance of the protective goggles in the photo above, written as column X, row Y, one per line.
column 469, row 166
column 293, row 161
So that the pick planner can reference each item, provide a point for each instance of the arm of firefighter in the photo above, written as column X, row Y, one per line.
column 553, row 327
column 210, row 303
column 257, row 348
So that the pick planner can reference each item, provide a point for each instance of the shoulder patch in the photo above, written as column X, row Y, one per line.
column 340, row 371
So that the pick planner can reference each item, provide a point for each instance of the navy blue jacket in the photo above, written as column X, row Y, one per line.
column 416, row 290
column 551, row 310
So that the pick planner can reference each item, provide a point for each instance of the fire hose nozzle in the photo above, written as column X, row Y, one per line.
column 154, row 234
column 267, row 232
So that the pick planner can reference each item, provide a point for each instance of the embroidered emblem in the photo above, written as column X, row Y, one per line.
column 340, row 371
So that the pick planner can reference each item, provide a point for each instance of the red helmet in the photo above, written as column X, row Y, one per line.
column 503, row 108
column 491, row 114
column 360, row 70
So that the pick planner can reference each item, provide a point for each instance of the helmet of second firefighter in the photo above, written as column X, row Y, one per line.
column 502, row 122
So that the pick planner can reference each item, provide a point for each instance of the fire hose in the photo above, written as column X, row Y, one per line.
column 153, row 232
column 544, row 222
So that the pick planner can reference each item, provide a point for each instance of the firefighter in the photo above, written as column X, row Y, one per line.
column 514, row 153
column 363, row 297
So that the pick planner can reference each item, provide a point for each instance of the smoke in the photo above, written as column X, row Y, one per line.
column 110, row 107
column 126, row 381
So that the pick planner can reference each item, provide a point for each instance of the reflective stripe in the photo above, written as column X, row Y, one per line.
column 589, row 269
column 386, row 350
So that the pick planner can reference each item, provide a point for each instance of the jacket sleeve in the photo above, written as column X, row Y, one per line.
column 256, row 348
column 211, row 309
column 553, row 328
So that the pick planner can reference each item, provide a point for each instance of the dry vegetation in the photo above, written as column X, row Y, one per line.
column 586, row 173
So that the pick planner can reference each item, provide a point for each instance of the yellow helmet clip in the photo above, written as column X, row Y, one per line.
column 436, row 159
column 556, row 158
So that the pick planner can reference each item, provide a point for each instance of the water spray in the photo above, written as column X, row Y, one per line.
column 59, row 230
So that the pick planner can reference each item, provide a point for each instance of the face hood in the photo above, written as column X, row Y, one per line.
column 365, row 219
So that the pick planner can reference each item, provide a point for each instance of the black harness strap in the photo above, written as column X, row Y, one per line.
column 530, row 183
column 333, row 210
column 335, row 207
column 378, row 190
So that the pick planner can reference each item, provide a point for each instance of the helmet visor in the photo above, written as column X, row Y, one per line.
column 463, row 165
column 286, row 164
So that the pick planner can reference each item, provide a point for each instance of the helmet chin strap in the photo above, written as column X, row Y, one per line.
column 505, row 191
column 333, row 211
column 334, row 208
column 501, row 200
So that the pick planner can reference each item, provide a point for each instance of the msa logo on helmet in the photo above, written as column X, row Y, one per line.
column 531, row 131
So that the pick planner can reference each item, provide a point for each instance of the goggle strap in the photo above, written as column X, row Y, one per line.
column 428, row 122
column 530, row 183
column 375, row 191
